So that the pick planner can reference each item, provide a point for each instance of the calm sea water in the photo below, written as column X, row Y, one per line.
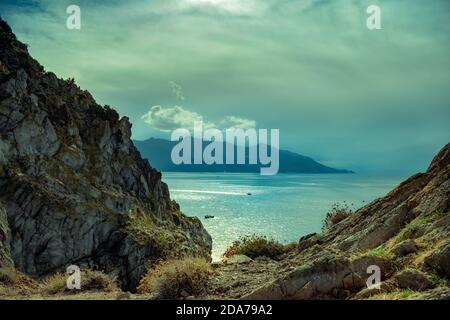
column 285, row 206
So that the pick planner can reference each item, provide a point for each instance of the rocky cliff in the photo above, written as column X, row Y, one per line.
column 73, row 188
column 406, row 234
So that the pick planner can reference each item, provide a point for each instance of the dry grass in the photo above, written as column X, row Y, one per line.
column 94, row 285
column 396, row 295
column 337, row 213
column 91, row 281
column 145, row 229
column 8, row 276
column 176, row 279
column 14, row 285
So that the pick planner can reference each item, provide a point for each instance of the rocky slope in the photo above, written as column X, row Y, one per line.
column 406, row 233
column 73, row 188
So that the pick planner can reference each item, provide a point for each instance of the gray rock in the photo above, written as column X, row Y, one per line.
column 329, row 275
column 440, row 260
column 5, row 150
column 36, row 138
column 71, row 182
column 237, row 259
column 404, row 248
column 385, row 287
column 307, row 292
column 73, row 157
column 324, row 275
column 308, row 241
column 412, row 279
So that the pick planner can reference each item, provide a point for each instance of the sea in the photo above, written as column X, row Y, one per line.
column 283, row 207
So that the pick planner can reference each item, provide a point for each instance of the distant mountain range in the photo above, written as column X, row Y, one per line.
column 158, row 152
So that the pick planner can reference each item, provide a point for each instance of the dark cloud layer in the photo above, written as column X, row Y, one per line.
column 372, row 101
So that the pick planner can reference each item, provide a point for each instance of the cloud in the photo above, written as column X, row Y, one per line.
column 236, row 122
column 336, row 90
column 224, row 7
column 177, row 90
column 167, row 119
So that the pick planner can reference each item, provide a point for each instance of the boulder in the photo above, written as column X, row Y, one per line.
column 412, row 279
column 385, row 287
column 404, row 248
column 308, row 241
column 440, row 260
column 306, row 293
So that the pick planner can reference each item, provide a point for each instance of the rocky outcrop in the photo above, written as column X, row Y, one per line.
column 412, row 279
column 71, row 181
column 439, row 260
column 405, row 234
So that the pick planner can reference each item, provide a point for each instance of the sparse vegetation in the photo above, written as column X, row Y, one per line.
column 290, row 247
column 4, row 26
column 256, row 246
column 176, row 279
column 13, row 284
column 395, row 295
column 90, row 281
column 337, row 213
column 105, row 113
column 8, row 276
column 144, row 229
column 437, row 280
column 410, row 230
column 377, row 252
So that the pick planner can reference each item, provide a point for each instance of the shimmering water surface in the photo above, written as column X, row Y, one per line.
column 285, row 206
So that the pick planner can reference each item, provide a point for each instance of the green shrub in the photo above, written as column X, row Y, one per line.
column 438, row 281
column 413, row 227
column 377, row 252
column 176, row 279
column 256, row 246
column 145, row 229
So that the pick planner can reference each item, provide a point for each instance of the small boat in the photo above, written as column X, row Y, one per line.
column 249, row 194
column 209, row 217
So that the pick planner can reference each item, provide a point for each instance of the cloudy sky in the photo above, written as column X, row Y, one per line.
column 375, row 102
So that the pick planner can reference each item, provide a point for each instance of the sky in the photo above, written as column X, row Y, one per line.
column 373, row 101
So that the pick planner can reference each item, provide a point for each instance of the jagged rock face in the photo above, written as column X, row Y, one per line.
column 71, row 179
